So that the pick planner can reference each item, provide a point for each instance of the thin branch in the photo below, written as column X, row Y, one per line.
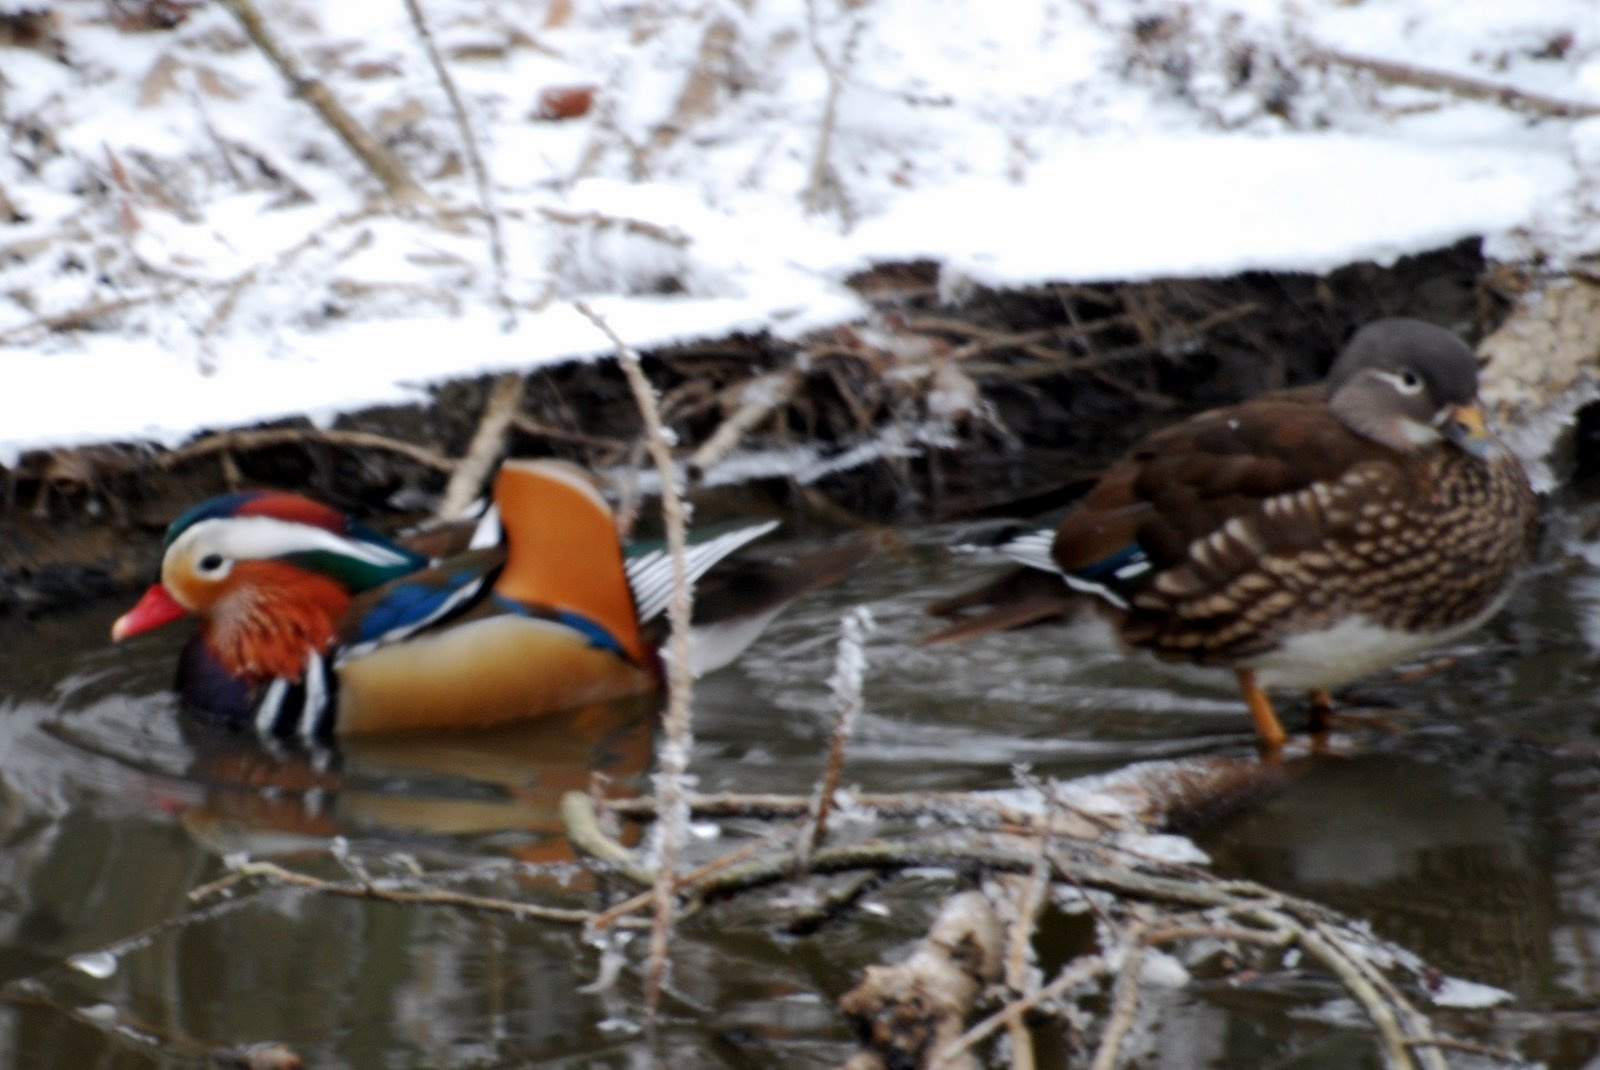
column 8, row 208
column 383, row 165
column 600, row 220
column 677, row 722
column 582, row 822
column 1504, row 1055
column 488, row 443
column 1028, row 900
column 966, row 853
column 480, row 173
column 227, row 441
column 758, row 399
column 697, row 99
column 1079, row 972
column 535, row 428
column 84, row 315
column 387, row 893
column 849, row 667
column 971, row 809
column 1377, row 1009
column 823, row 188
column 1461, row 85
column 1410, row 1019
column 608, row 917
column 1124, row 1000
column 1324, row 944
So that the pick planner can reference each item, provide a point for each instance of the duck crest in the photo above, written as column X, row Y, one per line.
column 279, row 504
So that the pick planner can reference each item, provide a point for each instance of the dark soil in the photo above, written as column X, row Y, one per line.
column 1071, row 374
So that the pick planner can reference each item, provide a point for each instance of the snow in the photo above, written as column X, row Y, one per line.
column 1455, row 992
column 1162, row 970
column 171, row 174
column 1200, row 219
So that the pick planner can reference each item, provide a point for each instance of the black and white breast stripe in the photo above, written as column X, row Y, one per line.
column 302, row 711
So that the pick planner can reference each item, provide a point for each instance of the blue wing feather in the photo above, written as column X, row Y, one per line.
column 1113, row 578
column 408, row 605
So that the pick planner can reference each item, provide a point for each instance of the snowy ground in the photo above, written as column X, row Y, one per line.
column 740, row 160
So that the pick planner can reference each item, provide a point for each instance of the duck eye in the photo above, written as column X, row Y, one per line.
column 211, row 562
column 1410, row 381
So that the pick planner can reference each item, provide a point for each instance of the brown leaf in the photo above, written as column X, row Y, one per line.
column 559, row 14
column 558, row 102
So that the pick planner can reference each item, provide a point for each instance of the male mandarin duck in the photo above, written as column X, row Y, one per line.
column 312, row 625
column 1303, row 539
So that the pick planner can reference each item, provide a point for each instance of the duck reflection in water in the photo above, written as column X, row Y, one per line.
column 500, row 788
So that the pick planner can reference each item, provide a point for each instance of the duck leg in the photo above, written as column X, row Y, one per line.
column 1268, row 729
column 1321, row 710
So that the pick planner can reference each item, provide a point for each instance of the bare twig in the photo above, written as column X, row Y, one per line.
column 697, row 99
column 480, row 172
column 1081, row 971
column 1355, row 982
column 849, row 667
column 84, row 315
column 676, row 721
column 1124, row 1000
column 1028, row 901
column 390, row 893
column 8, row 208
column 534, row 428
column 601, row 220
column 823, row 188
column 966, row 852
column 227, row 441
column 687, row 882
column 1504, row 1055
column 1461, row 85
column 488, row 442
column 1414, row 1023
column 971, row 809
column 384, row 166
column 582, row 822
column 757, row 399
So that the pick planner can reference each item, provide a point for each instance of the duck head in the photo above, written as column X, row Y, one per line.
column 268, row 574
column 1410, row 385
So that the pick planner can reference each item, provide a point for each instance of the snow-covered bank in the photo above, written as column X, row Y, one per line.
column 209, row 244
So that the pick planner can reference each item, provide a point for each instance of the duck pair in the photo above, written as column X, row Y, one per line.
column 1302, row 540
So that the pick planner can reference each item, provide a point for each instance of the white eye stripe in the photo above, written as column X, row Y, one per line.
column 256, row 537
column 1405, row 382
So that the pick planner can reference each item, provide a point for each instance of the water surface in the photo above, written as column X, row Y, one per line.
column 1470, row 834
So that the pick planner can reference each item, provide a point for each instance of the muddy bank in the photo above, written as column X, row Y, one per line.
column 947, row 405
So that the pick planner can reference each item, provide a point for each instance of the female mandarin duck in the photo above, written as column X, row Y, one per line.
column 1302, row 539
column 312, row 625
